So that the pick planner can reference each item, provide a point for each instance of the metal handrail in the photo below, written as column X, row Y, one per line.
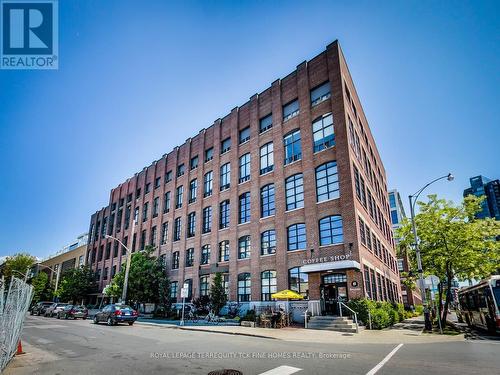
column 354, row 312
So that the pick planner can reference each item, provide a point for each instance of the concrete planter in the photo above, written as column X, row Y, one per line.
column 247, row 324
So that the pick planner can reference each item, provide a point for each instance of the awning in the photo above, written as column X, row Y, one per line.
column 340, row 265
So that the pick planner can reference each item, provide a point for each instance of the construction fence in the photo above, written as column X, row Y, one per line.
column 15, row 301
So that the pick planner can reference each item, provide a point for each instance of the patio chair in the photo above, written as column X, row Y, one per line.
column 265, row 322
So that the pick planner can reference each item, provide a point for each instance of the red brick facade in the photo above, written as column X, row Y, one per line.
column 329, row 66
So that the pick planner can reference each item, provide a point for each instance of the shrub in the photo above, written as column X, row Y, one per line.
column 380, row 318
column 249, row 317
column 383, row 314
column 419, row 310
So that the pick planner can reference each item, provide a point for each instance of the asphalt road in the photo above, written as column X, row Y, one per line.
column 80, row 347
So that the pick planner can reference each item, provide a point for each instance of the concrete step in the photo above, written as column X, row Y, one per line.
column 331, row 325
column 348, row 330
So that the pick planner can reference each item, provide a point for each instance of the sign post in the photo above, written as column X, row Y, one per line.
column 184, row 294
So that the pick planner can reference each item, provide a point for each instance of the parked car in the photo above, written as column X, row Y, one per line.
column 53, row 309
column 40, row 307
column 73, row 312
column 116, row 313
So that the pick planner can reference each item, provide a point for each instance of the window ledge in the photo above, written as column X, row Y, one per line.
column 328, row 200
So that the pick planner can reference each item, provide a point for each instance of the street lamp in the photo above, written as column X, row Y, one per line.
column 127, row 268
column 58, row 273
column 413, row 199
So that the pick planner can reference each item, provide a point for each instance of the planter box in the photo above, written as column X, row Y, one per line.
column 247, row 324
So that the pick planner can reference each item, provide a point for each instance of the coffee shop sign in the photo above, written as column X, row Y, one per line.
column 331, row 258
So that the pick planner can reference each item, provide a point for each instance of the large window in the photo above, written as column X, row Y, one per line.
column 205, row 254
column 323, row 133
column 177, row 229
column 268, row 242
column 266, row 158
column 224, row 251
column 327, row 181
column 244, row 287
column 207, row 219
column 292, row 145
column 296, row 237
column 244, row 247
column 245, row 135
column 193, row 185
column 209, row 154
column 330, row 230
column 291, row 110
column 191, row 225
column 244, row 208
column 294, row 192
column 173, row 290
column 193, row 163
column 166, row 202
column 298, row 281
column 164, row 233
column 204, row 285
column 190, row 257
column 224, row 214
column 320, row 93
column 178, row 196
column 244, row 168
column 225, row 176
column 208, row 181
column 267, row 201
column 180, row 170
column 189, row 283
column 156, row 206
column 266, row 123
column 175, row 260
column 225, row 145
column 152, row 239
column 145, row 211
column 268, row 285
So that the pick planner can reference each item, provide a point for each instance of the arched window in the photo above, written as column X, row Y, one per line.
column 244, row 287
column 294, row 192
column 298, row 281
column 330, row 230
column 327, row 181
column 267, row 207
column 296, row 237
column 268, row 285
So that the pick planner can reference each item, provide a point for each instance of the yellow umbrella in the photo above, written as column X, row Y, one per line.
column 287, row 294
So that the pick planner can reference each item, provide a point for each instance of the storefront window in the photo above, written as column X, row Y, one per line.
column 298, row 282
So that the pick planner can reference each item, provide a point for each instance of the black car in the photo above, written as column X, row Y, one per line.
column 116, row 313
column 73, row 312
column 40, row 307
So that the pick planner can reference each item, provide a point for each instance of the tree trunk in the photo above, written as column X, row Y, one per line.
column 444, row 315
column 440, row 297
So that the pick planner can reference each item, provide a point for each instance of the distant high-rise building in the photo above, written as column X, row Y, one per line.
column 480, row 186
column 410, row 297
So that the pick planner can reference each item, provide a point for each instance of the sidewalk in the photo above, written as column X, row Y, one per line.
column 408, row 331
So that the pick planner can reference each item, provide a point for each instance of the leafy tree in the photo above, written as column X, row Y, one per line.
column 453, row 242
column 17, row 265
column 43, row 290
column 147, row 282
column 218, row 296
column 76, row 284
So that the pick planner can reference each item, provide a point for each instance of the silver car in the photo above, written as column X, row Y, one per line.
column 54, row 309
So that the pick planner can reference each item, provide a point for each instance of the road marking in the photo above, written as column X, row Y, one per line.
column 282, row 370
column 384, row 361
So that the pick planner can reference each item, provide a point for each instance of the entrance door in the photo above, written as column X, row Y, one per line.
column 331, row 295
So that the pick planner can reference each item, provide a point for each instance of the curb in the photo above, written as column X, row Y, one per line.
column 171, row 326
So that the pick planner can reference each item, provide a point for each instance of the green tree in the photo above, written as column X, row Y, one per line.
column 147, row 282
column 17, row 265
column 76, row 284
column 218, row 296
column 453, row 242
column 43, row 290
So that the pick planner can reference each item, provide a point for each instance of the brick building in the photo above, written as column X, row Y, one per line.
column 287, row 191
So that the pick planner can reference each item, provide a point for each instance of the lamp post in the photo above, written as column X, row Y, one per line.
column 413, row 199
column 129, row 257
column 58, row 273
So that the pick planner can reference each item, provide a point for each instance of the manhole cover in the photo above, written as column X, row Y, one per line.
column 225, row 371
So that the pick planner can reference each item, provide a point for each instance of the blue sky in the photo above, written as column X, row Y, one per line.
column 137, row 78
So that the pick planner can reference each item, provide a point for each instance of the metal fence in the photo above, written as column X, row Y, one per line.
column 14, row 304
